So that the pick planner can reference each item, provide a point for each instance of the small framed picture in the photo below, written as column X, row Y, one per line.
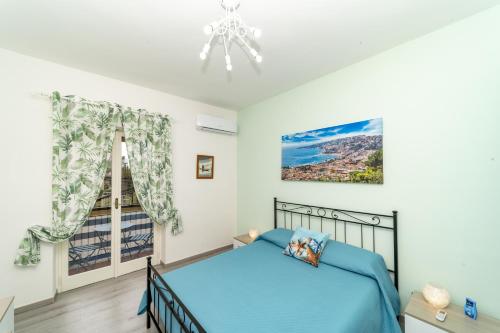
column 204, row 167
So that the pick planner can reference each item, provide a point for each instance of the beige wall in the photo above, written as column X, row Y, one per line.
column 208, row 207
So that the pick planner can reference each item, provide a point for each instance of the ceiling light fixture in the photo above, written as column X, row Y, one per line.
column 228, row 29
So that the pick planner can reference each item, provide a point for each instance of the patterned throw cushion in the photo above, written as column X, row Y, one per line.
column 307, row 245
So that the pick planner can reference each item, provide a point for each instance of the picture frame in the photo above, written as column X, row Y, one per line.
column 204, row 167
column 347, row 153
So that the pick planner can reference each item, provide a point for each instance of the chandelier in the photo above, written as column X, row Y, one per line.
column 229, row 29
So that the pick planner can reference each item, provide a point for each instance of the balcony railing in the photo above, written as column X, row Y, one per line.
column 90, row 248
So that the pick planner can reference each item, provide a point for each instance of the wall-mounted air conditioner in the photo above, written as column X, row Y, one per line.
column 215, row 124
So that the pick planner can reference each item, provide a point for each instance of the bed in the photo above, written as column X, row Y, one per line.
column 256, row 288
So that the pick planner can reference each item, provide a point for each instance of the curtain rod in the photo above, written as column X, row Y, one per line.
column 44, row 94
column 47, row 95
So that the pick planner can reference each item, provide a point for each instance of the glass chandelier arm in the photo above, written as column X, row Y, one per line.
column 207, row 46
column 225, row 44
column 253, row 52
column 211, row 38
column 245, row 43
column 229, row 66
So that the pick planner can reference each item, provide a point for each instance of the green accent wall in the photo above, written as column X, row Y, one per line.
column 439, row 96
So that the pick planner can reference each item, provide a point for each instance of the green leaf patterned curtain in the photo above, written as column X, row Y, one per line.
column 83, row 134
column 147, row 136
column 82, row 140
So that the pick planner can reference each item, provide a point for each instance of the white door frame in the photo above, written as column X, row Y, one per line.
column 116, row 268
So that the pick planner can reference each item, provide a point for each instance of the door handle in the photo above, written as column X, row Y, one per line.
column 117, row 204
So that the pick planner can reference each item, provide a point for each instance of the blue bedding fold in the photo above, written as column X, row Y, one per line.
column 353, row 259
column 258, row 289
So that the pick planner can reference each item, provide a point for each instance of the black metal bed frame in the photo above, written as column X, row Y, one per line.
column 366, row 221
column 176, row 309
column 309, row 214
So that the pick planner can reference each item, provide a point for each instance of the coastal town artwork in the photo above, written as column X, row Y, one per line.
column 350, row 153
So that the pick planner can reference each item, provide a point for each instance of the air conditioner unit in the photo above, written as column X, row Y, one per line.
column 215, row 124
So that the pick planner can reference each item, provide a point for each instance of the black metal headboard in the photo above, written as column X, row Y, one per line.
column 345, row 221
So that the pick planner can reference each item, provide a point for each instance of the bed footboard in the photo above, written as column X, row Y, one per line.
column 165, row 309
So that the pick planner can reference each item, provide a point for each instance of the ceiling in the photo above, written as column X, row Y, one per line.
column 156, row 43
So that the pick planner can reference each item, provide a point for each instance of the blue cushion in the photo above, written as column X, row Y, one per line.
column 279, row 237
column 307, row 245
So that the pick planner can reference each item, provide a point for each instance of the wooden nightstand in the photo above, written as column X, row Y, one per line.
column 420, row 317
column 241, row 240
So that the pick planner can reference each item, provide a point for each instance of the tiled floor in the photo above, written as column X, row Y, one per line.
column 107, row 306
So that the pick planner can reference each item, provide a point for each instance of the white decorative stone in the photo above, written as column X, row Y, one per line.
column 437, row 297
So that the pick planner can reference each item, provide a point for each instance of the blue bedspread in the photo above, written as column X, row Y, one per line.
column 256, row 288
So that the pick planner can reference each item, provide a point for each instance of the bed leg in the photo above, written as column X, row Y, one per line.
column 148, row 288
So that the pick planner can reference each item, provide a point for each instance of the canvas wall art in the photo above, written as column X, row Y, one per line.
column 350, row 153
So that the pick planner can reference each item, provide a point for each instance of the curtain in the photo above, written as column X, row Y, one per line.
column 83, row 133
column 148, row 140
column 82, row 140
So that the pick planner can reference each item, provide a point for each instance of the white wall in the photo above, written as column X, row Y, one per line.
column 208, row 207
column 439, row 97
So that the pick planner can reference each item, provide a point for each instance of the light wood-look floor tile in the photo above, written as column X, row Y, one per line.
column 107, row 306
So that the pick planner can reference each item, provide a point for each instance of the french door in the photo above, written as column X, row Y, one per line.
column 116, row 237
